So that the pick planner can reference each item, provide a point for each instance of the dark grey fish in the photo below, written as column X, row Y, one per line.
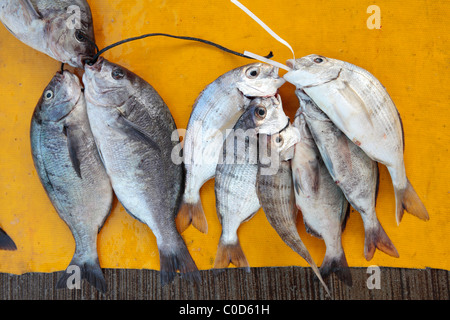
column 61, row 29
column 133, row 129
column 352, row 170
column 70, row 169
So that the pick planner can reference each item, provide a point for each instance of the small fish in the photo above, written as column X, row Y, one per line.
column 358, row 104
column 235, row 182
column 352, row 170
column 276, row 195
column 217, row 109
column 133, row 129
column 6, row 243
column 321, row 201
column 71, row 171
column 61, row 29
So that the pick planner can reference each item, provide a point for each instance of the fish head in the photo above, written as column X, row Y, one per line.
column 268, row 114
column 309, row 108
column 312, row 70
column 71, row 40
column 108, row 84
column 285, row 142
column 59, row 98
column 258, row 80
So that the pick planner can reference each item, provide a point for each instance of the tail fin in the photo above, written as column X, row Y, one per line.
column 411, row 203
column 178, row 260
column 89, row 270
column 376, row 238
column 230, row 253
column 337, row 265
column 192, row 213
column 6, row 243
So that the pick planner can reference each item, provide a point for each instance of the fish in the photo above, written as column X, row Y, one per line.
column 235, row 182
column 135, row 133
column 216, row 109
column 276, row 194
column 352, row 170
column 323, row 206
column 60, row 29
column 71, row 172
column 6, row 243
column 360, row 106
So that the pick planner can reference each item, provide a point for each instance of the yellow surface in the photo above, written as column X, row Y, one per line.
column 409, row 55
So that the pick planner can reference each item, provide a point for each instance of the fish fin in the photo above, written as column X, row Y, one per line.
column 230, row 253
column 307, row 181
column 337, row 265
column 137, row 132
column 6, row 243
column 192, row 213
column 73, row 145
column 30, row 11
column 411, row 203
column 177, row 260
column 90, row 271
column 376, row 238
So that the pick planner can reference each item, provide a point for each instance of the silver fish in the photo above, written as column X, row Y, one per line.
column 358, row 104
column 352, row 170
column 70, row 170
column 61, row 29
column 133, row 129
column 322, row 203
column 216, row 109
column 235, row 182
column 276, row 195
column 6, row 243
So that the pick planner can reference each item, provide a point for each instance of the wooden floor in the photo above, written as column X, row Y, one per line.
column 288, row 283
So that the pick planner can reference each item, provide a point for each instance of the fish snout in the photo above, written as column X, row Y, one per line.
column 291, row 63
column 95, row 66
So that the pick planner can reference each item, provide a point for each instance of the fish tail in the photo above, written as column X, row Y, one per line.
column 376, row 238
column 231, row 253
column 192, row 213
column 410, row 202
column 6, row 243
column 337, row 265
column 89, row 270
column 180, row 259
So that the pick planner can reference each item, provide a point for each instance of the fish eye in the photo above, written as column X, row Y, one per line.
column 48, row 94
column 252, row 73
column 117, row 74
column 260, row 112
column 80, row 36
column 318, row 60
column 279, row 140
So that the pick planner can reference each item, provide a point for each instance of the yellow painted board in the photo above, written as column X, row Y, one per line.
column 409, row 55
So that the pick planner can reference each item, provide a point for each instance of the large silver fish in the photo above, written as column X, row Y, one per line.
column 276, row 194
column 358, row 104
column 352, row 170
column 133, row 129
column 70, row 169
column 61, row 29
column 235, row 184
column 322, row 203
column 6, row 243
column 216, row 109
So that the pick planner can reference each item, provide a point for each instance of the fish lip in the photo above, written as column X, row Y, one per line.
column 96, row 66
column 291, row 63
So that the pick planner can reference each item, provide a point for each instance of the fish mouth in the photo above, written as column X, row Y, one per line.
column 291, row 63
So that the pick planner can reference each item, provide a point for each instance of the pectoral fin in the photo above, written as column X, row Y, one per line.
column 137, row 132
column 73, row 145
column 30, row 13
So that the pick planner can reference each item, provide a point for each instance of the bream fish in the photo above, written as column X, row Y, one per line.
column 276, row 194
column 358, row 104
column 323, row 205
column 133, row 129
column 61, row 29
column 71, row 172
column 217, row 109
column 235, row 184
column 352, row 170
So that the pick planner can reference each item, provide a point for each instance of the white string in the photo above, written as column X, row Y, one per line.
column 262, row 24
column 263, row 59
